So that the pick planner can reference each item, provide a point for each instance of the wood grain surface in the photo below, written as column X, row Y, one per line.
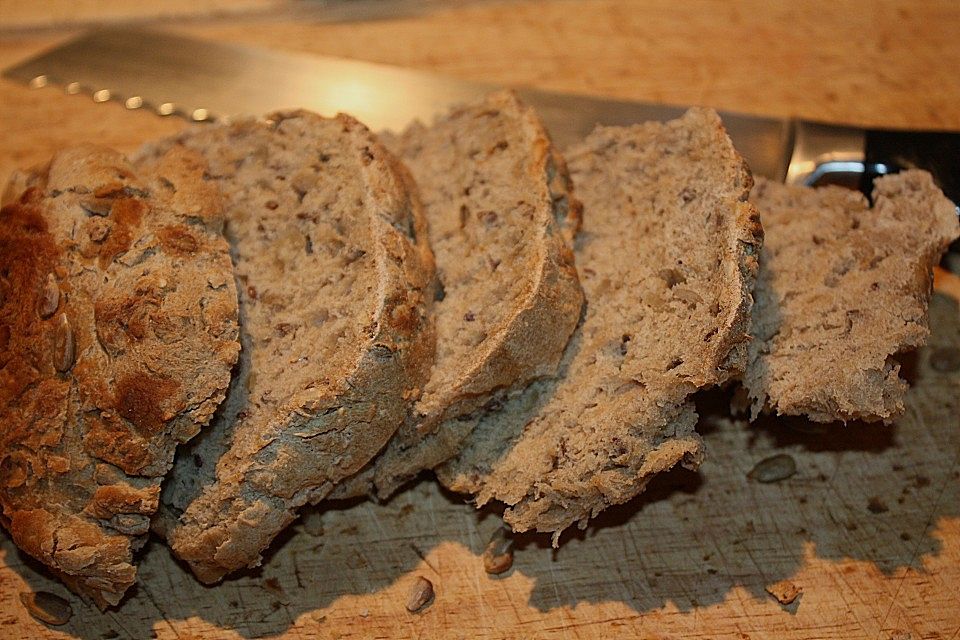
column 17, row 14
column 868, row 528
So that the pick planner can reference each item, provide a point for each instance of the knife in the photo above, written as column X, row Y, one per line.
column 208, row 81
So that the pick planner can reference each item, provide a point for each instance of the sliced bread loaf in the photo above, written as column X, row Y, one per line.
column 497, row 197
column 118, row 330
column 335, row 279
column 667, row 258
column 842, row 288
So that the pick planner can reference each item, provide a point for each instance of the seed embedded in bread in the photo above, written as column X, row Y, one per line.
column 335, row 277
column 64, row 349
column 667, row 257
column 50, row 299
column 113, row 349
column 501, row 216
column 843, row 287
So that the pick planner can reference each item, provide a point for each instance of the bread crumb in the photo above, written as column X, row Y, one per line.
column 785, row 592
column 273, row 586
column 876, row 505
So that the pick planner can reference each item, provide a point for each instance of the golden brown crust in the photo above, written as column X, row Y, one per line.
column 105, row 364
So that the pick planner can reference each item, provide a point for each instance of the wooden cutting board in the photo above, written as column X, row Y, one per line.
column 868, row 528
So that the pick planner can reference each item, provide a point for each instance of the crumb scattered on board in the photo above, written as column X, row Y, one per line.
column 785, row 592
column 273, row 586
column 876, row 505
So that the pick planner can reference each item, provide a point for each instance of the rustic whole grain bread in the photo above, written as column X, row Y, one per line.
column 842, row 288
column 335, row 275
column 118, row 330
column 497, row 198
column 667, row 258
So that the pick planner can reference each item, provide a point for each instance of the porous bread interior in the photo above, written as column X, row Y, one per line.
column 665, row 257
column 303, row 278
column 475, row 184
column 498, row 198
column 344, row 352
column 842, row 288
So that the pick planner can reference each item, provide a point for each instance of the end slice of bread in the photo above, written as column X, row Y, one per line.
column 501, row 216
column 843, row 287
column 118, row 330
column 667, row 257
column 335, row 277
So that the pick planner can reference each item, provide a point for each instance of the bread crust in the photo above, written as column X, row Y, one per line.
column 843, row 287
column 118, row 330
column 667, row 256
column 298, row 178
column 453, row 160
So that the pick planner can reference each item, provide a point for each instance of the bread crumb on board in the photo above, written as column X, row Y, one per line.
column 784, row 591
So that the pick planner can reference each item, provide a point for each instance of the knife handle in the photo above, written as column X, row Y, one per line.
column 938, row 152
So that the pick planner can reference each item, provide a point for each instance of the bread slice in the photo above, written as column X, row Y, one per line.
column 118, row 330
column 842, row 288
column 497, row 198
column 667, row 258
column 335, row 276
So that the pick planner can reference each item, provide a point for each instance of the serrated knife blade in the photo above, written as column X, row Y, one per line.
column 210, row 81
column 203, row 80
